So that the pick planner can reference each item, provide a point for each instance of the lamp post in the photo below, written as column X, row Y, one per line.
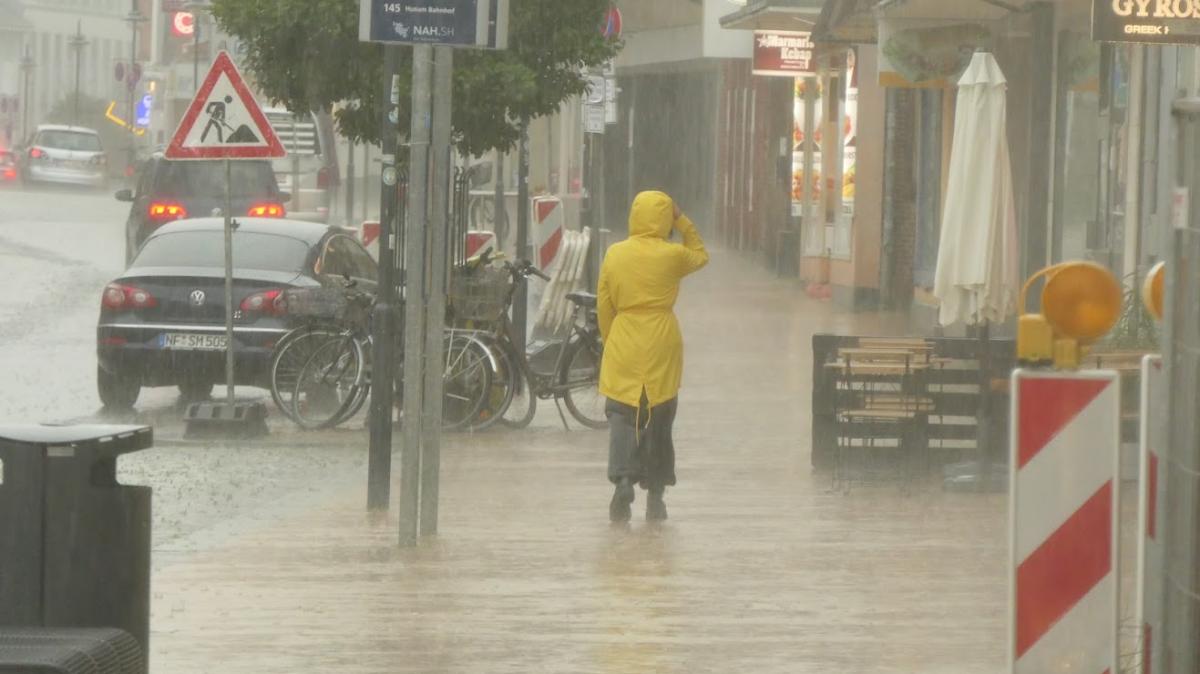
column 197, row 10
column 77, row 43
column 27, row 65
column 134, row 18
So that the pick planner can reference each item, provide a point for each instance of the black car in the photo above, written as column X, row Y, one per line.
column 162, row 323
column 168, row 190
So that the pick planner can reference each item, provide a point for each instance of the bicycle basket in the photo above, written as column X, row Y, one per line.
column 324, row 303
column 479, row 294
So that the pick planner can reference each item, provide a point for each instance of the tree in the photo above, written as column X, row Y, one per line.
column 306, row 55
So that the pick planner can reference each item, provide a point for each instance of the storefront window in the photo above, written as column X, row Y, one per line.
column 1080, row 135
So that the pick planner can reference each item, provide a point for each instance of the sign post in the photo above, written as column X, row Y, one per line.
column 225, row 122
column 432, row 27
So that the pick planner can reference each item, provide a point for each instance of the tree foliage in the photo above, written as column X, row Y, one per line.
column 305, row 54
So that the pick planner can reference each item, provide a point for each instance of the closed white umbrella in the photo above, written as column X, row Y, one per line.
column 976, row 279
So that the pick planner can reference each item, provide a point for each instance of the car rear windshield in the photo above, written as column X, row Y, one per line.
column 183, row 179
column 69, row 140
column 251, row 250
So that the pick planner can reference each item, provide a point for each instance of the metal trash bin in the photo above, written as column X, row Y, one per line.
column 74, row 544
column 69, row 651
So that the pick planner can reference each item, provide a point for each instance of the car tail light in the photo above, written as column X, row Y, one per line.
column 324, row 178
column 267, row 210
column 267, row 302
column 166, row 211
column 120, row 297
column 114, row 341
column 36, row 153
column 10, row 174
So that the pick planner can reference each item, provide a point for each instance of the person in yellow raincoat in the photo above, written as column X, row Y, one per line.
column 643, row 348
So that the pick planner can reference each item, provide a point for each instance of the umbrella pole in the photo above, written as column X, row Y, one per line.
column 983, row 421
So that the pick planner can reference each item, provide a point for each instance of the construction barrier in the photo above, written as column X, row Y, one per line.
column 369, row 237
column 1150, row 503
column 1065, row 464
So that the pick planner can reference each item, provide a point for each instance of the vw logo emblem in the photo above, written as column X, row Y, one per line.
column 197, row 298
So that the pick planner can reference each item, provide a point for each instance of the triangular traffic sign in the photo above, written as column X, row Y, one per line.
column 224, row 121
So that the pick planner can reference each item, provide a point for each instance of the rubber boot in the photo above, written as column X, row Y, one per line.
column 656, row 508
column 619, row 508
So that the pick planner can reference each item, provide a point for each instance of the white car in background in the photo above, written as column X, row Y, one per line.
column 70, row 155
column 309, row 172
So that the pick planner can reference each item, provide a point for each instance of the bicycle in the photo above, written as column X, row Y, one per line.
column 333, row 380
column 575, row 377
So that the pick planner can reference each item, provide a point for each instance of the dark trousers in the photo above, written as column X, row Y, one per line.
column 639, row 443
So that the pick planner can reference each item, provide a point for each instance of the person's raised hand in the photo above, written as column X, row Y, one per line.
column 677, row 211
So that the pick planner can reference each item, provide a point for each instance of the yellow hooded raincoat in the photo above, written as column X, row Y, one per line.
column 639, row 282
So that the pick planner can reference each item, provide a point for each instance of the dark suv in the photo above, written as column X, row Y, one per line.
column 169, row 190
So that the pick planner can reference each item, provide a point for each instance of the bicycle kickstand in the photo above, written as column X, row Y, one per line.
column 558, row 406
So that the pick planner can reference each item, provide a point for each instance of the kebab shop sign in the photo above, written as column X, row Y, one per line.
column 1148, row 21
column 784, row 53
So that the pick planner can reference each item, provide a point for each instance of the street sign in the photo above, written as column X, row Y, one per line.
column 610, row 27
column 224, row 121
column 596, row 88
column 454, row 23
column 142, row 111
column 593, row 118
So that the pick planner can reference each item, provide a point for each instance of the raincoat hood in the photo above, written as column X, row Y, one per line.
column 652, row 214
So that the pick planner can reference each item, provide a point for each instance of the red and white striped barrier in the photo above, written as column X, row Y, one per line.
column 369, row 233
column 1151, row 502
column 547, row 231
column 479, row 241
column 1063, row 522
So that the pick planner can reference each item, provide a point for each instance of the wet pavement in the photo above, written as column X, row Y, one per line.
column 762, row 566
column 265, row 559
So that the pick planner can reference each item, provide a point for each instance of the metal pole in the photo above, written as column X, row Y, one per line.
column 27, row 65
column 135, row 17
column 435, row 306
column 414, row 292
column 500, row 209
column 379, row 464
column 521, row 302
column 229, row 281
column 350, row 178
column 1181, row 351
column 77, row 44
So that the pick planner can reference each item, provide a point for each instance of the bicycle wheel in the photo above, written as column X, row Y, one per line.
column 291, row 353
column 580, row 378
column 500, row 393
column 466, row 380
column 523, row 406
column 328, row 384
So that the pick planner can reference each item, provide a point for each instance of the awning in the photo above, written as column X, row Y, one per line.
column 854, row 21
column 846, row 21
column 774, row 15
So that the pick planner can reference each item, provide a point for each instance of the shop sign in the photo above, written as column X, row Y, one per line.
column 1146, row 21
column 783, row 53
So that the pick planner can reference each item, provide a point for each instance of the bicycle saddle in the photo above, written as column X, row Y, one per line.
column 583, row 299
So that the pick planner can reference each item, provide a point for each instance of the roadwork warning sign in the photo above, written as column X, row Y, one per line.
column 224, row 121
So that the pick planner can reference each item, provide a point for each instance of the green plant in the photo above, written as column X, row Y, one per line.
column 1136, row 329
column 306, row 55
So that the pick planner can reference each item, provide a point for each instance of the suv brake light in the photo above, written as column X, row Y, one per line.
column 268, row 302
column 36, row 153
column 165, row 211
column 119, row 297
column 266, row 210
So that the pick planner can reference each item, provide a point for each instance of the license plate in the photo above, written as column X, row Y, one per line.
column 181, row 341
